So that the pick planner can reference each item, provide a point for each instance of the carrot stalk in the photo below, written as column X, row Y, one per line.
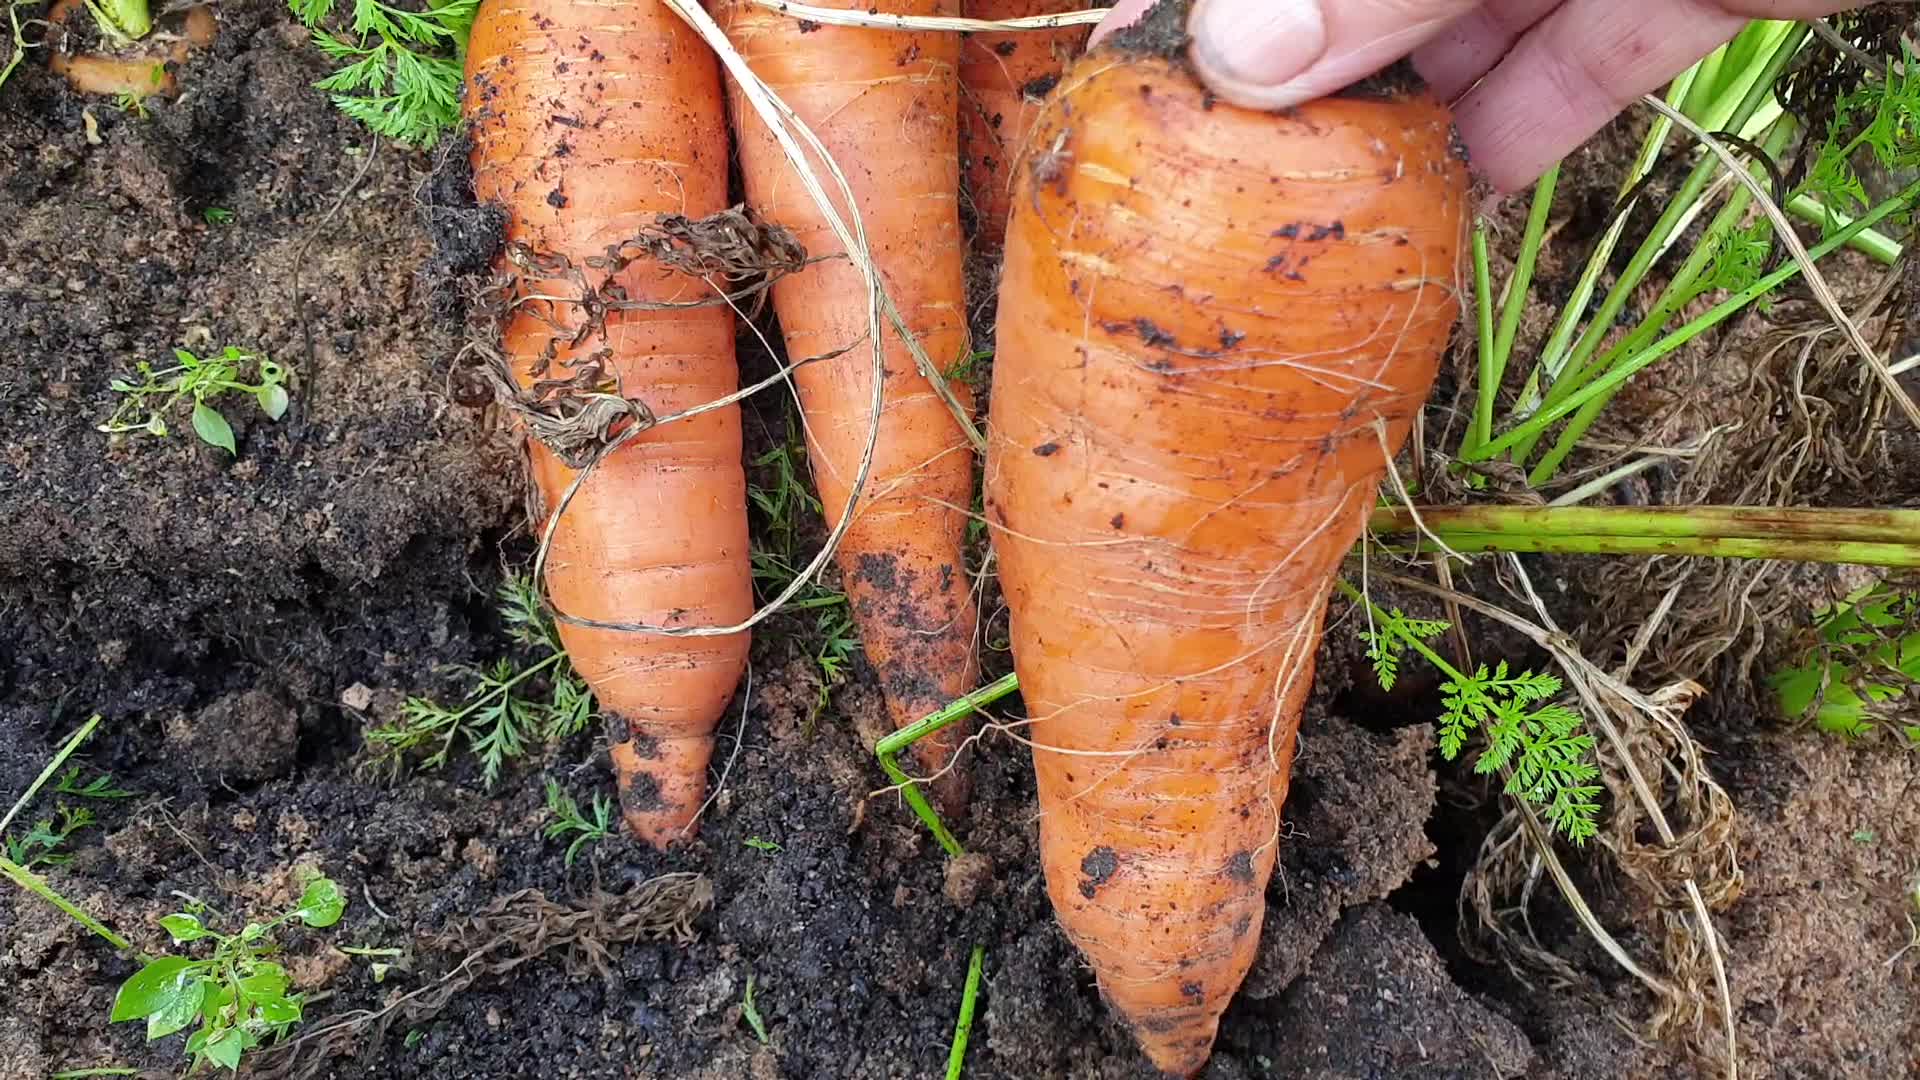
column 591, row 123
column 1004, row 78
column 890, row 748
column 963, row 1029
column 1211, row 320
column 883, row 104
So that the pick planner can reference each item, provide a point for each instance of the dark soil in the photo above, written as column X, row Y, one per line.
column 240, row 621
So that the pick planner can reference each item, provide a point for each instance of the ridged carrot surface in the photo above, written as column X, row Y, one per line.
column 1211, row 323
column 1004, row 78
column 884, row 105
column 590, row 120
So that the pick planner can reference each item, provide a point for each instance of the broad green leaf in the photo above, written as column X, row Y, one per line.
column 179, row 1008
column 321, row 904
column 184, row 927
column 149, row 989
column 273, row 401
column 281, row 1011
column 212, row 427
column 225, row 1048
column 266, row 982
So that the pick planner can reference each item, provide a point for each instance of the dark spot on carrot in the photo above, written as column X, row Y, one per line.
column 911, row 54
column 1335, row 231
column 640, row 793
column 879, row 569
column 946, row 577
column 1242, row 924
column 556, row 199
column 596, row 56
column 566, row 121
column 1159, row 1025
column 646, row 747
column 1240, row 867
column 1193, row 992
column 1230, row 339
column 1119, row 521
column 1174, row 719
column 1097, row 869
column 1039, row 88
column 1046, row 449
column 808, row 26
column 1006, row 48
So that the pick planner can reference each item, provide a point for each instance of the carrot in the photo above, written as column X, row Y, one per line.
column 1003, row 80
column 589, row 123
column 1212, row 324
column 883, row 103
column 139, row 70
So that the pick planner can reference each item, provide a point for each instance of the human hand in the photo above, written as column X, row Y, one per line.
column 1530, row 80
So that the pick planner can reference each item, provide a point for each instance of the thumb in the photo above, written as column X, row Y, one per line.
column 1272, row 54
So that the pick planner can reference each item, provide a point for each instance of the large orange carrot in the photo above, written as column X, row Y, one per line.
column 1212, row 322
column 884, row 105
column 1003, row 80
column 590, row 121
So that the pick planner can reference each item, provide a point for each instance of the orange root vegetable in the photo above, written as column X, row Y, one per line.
column 141, row 70
column 884, row 105
column 1003, row 80
column 589, row 123
column 1212, row 324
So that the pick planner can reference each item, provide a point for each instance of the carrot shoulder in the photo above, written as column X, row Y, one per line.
column 589, row 122
column 884, row 105
column 1004, row 78
column 1211, row 322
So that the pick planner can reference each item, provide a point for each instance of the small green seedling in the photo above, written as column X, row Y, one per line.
column 400, row 71
column 1863, row 667
column 201, row 380
column 239, row 998
column 1549, row 761
column 569, row 819
column 498, row 719
column 216, row 215
column 1865, row 837
column 42, row 843
column 100, row 787
column 752, row 1014
column 758, row 844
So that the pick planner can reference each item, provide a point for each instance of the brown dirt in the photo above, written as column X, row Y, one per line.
column 239, row 621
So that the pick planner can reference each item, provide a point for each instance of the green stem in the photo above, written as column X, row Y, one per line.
column 963, row 1029
column 1489, row 388
column 37, row 885
column 1418, row 646
column 1838, row 552
column 1860, row 537
column 1680, row 288
column 891, row 747
column 1547, row 414
column 1566, row 377
column 1522, row 282
column 1874, row 245
column 1553, row 355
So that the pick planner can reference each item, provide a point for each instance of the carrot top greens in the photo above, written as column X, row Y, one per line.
column 400, row 70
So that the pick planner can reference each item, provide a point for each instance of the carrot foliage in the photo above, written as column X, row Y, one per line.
column 1535, row 742
column 400, row 71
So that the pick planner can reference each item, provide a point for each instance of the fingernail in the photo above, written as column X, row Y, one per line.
column 1257, row 43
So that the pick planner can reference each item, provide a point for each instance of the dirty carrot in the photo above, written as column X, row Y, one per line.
column 1003, row 80
column 884, row 104
column 1212, row 323
column 590, row 122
